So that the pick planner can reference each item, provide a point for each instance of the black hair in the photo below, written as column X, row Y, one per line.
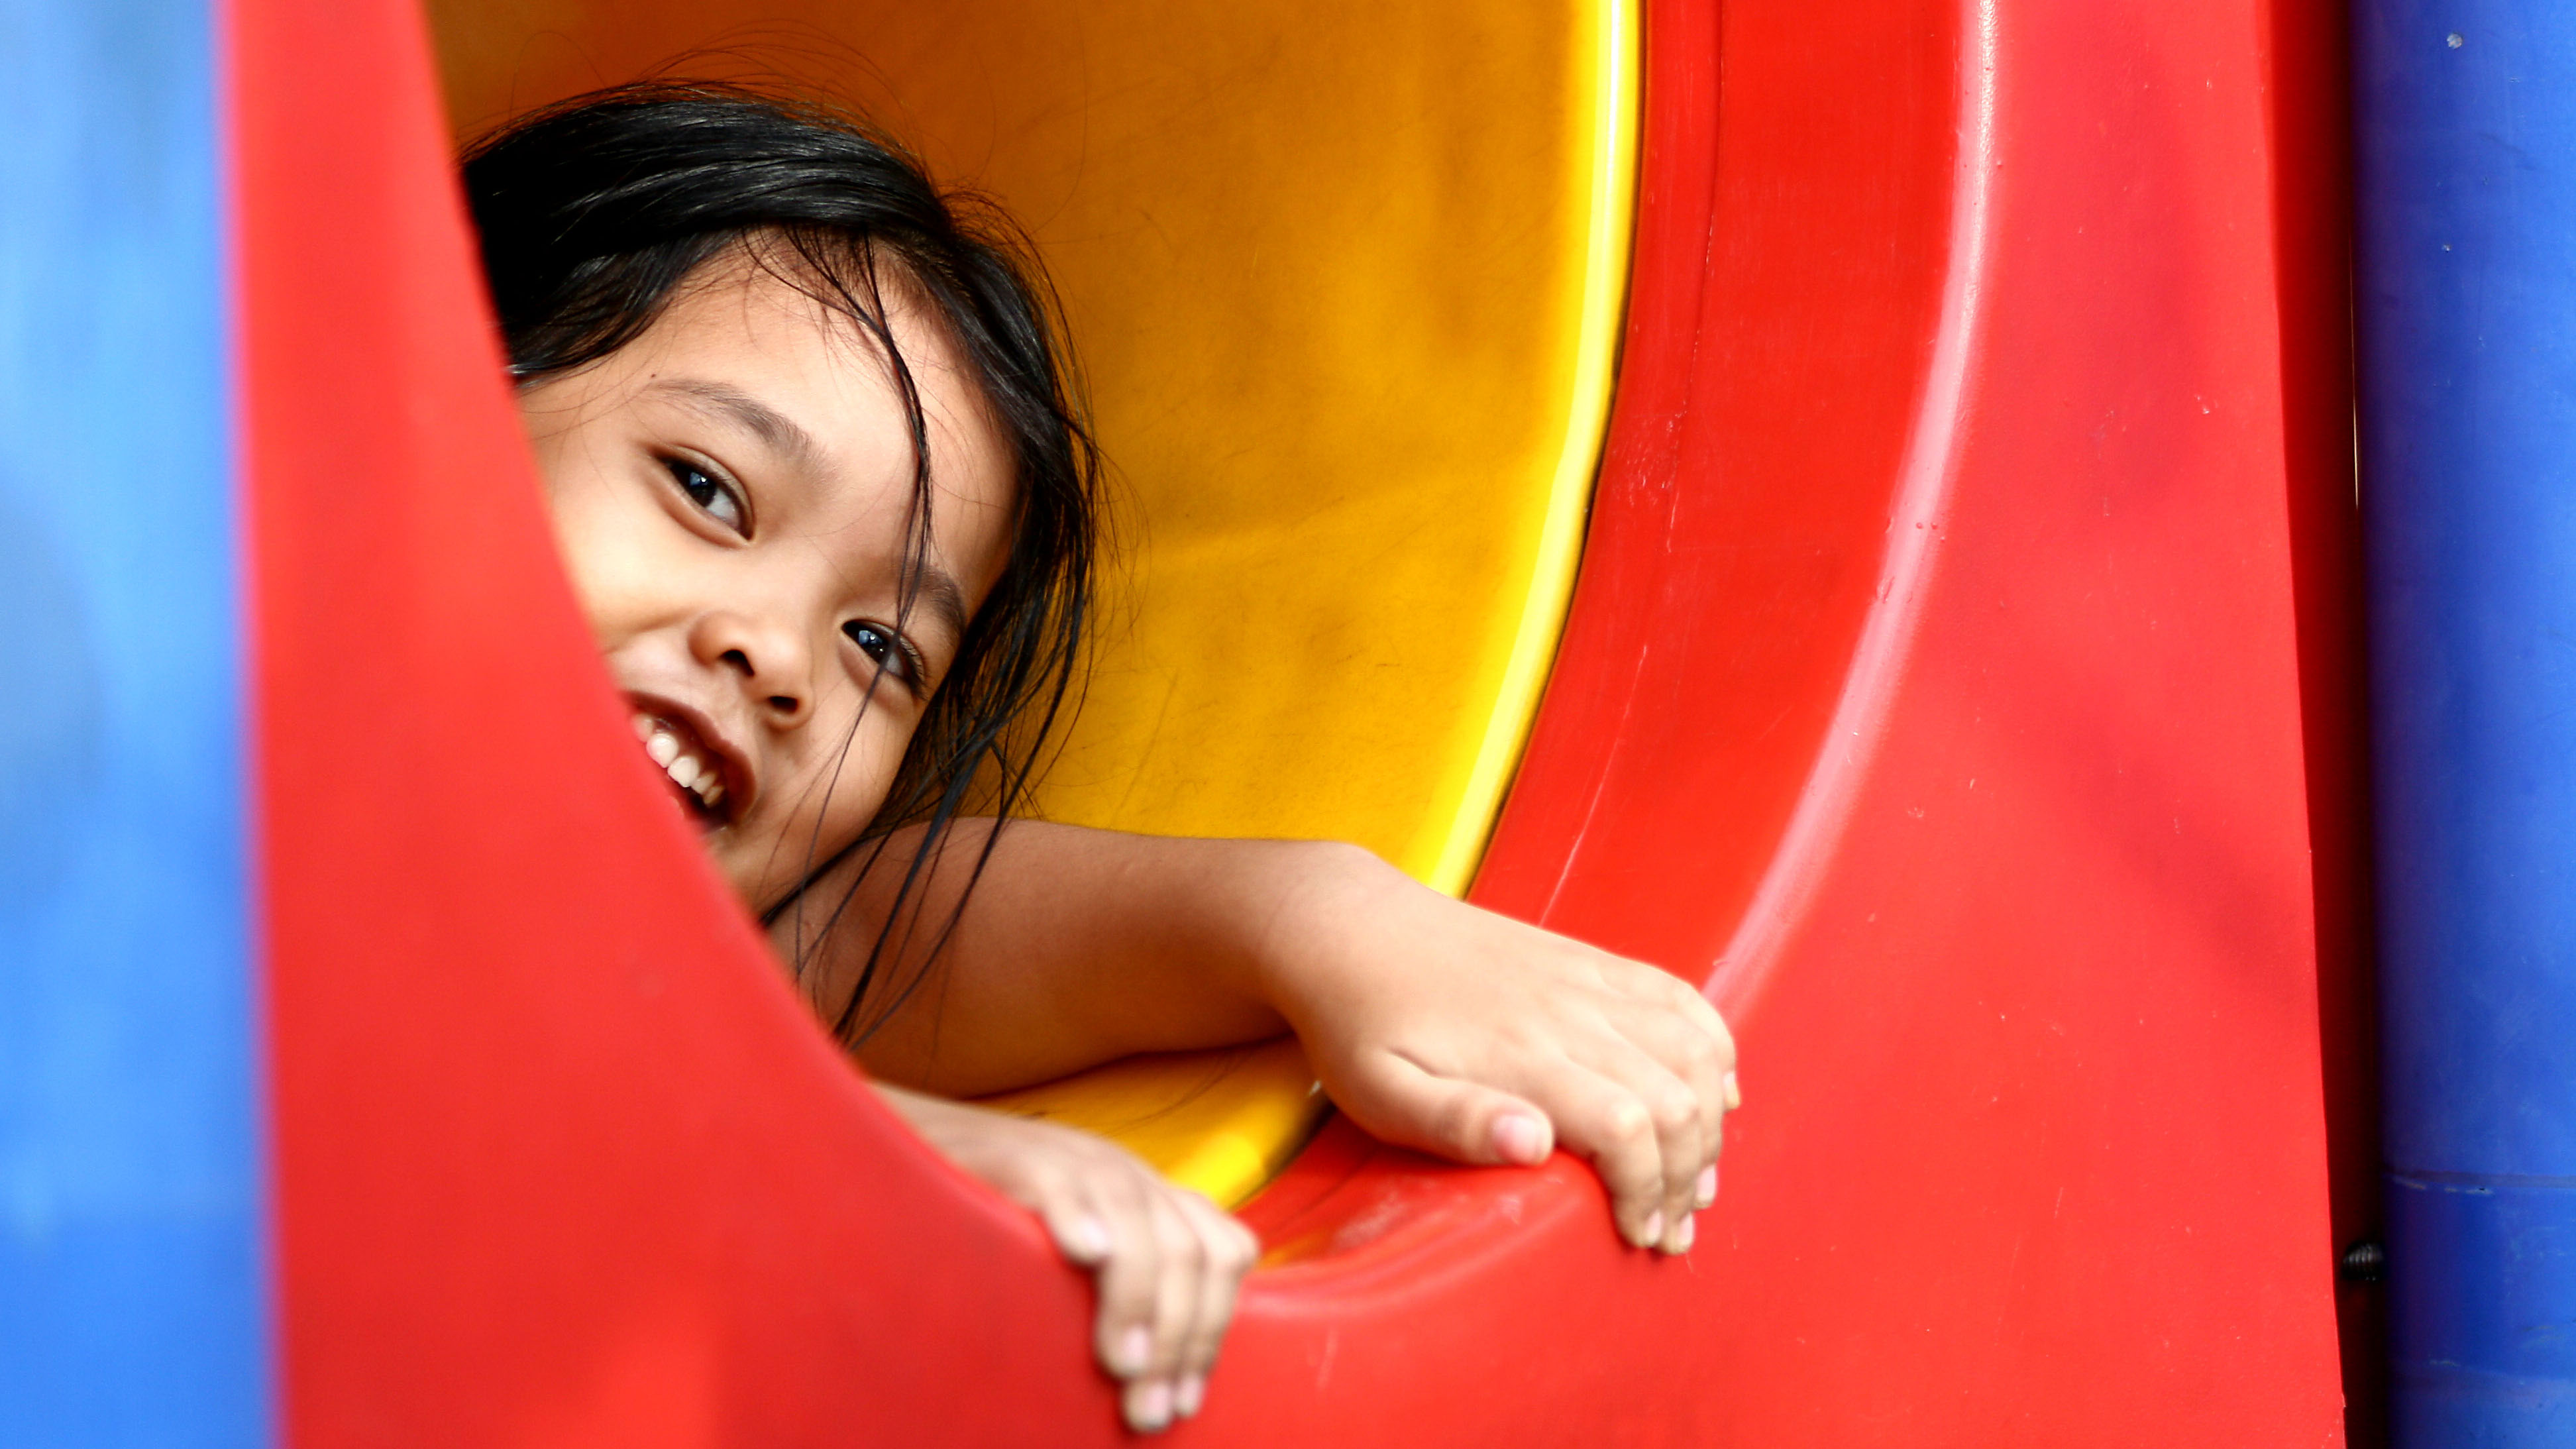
column 593, row 211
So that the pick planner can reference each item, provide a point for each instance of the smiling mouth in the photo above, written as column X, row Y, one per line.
column 695, row 777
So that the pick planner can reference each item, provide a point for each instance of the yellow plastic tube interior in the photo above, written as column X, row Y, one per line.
column 1346, row 280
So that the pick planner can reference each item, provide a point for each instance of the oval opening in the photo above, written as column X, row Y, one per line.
column 1348, row 326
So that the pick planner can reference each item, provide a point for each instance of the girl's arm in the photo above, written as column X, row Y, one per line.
column 1076, row 947
column 1432, row 1023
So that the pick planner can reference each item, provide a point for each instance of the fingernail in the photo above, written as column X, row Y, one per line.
column 1150, row 1406
column 1685, row 1235
column 1520, row 1138
column 1187, row 1398
column 1090, row 1240
column 1133, row 1348
column 1654, row 1230
column 1734, row 1094
column 1704, row 1191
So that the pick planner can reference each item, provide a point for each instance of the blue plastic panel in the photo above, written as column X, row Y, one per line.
column 132, row 1293
column 2466, row 117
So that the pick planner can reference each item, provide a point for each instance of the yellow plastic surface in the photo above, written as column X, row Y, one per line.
column 1347, row 281
column 1221, row 1122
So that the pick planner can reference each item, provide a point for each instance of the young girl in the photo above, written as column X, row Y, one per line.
column 825, row 498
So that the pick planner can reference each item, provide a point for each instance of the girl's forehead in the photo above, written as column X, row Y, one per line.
column 750, row 350
column 750, row 315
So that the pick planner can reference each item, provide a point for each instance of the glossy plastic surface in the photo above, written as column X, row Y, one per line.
column 1998, row 823
column 1220, row 1122
column 1977, row 769
column 2467, row 144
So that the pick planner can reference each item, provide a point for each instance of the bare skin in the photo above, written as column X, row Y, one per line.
column 731, row 492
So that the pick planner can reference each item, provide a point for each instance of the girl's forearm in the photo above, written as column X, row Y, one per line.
column 1076, row 947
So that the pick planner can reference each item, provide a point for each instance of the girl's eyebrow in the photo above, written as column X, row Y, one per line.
column 936, row 588
column 776, row 431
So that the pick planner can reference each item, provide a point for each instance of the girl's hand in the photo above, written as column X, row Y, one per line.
column 1167, row 1260
column 1445, row 1027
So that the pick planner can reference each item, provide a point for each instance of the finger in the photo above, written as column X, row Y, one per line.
column 1699, row 1011
column 1178, row 1269
column 1682, row 1048
column 1124, row 1327
column 1462, row 1121
column 1147, row 1405
column 1690, row 1054
column 1231, row 1249
column 1681, row 1139
column 1078, row 1231
column 1730, row 1089
column 1604, row 1120
column 1682, row 1147
column 1678, row 1026
column 1134, row 1313
column 1660, row 987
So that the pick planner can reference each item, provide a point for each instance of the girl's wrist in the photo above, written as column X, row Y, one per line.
column 1305, row 892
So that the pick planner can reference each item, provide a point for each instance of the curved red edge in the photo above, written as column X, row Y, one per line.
column 2037, row 1147
column 2034, row 1150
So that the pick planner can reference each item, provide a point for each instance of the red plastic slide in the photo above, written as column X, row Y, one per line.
column 1955, row 682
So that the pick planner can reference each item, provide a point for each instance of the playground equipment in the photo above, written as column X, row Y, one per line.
column 2467, row 319
column 1953, row 682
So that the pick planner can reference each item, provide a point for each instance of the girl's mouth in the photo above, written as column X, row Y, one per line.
column 696, row 777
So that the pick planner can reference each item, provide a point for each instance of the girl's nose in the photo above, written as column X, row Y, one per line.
column 769, row 662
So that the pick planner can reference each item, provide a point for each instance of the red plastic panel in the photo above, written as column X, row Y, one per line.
column 2027, row 988
column 562, row 1160
column 2311, row 171
column 2035, row 1149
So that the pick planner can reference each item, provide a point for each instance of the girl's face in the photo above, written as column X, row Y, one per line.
column 733, row 495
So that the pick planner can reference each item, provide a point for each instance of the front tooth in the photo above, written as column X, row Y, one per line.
column 684, row 771
column 662, row 748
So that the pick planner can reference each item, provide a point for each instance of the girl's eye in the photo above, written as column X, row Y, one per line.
column 889, row 650
column 712, row 495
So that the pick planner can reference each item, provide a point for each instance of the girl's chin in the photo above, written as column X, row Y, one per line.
column 740, row 868
column 752, row 873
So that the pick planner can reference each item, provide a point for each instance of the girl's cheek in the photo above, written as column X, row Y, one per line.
column 604, row 561
column 865, row 775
